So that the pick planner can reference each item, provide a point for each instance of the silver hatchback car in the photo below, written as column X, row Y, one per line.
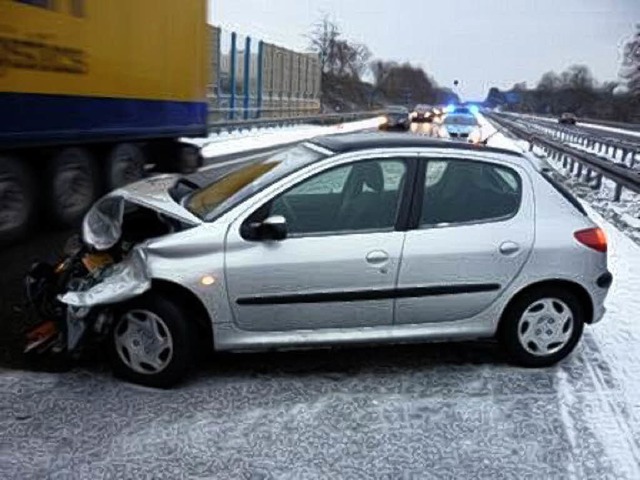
column 358, row 238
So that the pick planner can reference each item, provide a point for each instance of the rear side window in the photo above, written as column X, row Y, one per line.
column 562, row 190
column 459, row 192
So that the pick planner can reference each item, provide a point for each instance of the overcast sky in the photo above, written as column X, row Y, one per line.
column 482, row 43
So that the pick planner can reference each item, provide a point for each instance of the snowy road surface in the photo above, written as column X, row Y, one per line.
column 421, row 411
column 446, row 411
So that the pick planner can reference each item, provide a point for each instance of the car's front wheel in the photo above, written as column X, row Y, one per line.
column 542, row 327
column 151, row 342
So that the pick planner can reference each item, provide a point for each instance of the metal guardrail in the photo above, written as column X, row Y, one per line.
column 634, row 127
column 601, row 143
column 320, row 119
column 585, row 166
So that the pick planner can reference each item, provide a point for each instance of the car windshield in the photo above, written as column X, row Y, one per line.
column 460, row 120
column 218, row 197
column 397, row 109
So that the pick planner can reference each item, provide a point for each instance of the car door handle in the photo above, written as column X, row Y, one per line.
column 509, row 248
column 377, row 257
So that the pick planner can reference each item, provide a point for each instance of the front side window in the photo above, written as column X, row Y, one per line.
column 357, row 197
column 458, row 191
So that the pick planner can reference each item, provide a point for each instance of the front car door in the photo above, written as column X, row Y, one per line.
column 474, row 232
column 338, row 265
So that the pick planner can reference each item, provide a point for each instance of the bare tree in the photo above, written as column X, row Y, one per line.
column 323, row 39
column 549, row 82
column 578, row 77
column 338, row 56
column 404, row 82
column 630, row 66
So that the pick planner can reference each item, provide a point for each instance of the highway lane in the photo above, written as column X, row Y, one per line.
column 591, row 129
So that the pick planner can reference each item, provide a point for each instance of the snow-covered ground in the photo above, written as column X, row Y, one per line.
column 437, row 411
column 604, row 128
column 495, row 138
column 448, row 411
column 226, row 143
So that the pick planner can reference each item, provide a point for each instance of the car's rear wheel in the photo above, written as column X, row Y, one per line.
column 541, row 327
column 151, row 342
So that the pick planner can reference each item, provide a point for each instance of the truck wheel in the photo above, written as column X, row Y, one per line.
column 125, row 164
column 74, row 185
column 17, row 199
column 189, row 158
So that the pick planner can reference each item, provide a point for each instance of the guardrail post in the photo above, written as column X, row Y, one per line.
column 598, row 182
column 247, row 76
column 564, row 162
column 617, row 192
column 579, row 170
column 232, row 99
column 260, row 68
column 632, row 160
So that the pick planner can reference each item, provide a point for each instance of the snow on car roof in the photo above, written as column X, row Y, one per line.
column 351, row 142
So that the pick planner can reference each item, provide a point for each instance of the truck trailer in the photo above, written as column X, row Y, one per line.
column 91, row 92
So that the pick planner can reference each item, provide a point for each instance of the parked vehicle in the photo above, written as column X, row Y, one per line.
column 460, row 126
column 397, row 117
column 87, row 98
column 568, row 118
column 422, row 113
column 358, row 238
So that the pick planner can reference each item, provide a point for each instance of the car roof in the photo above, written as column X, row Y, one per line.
column 353, row 142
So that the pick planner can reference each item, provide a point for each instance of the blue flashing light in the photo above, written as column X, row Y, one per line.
column 450, row 108
column 474, row 109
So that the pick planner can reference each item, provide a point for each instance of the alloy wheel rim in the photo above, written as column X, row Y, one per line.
column 143, row 342
column 545, row 327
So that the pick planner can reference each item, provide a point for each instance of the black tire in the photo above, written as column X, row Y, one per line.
column 74, row 185
column 18, row 199
column 508, row 334
column 124, row 164
column 177, row 329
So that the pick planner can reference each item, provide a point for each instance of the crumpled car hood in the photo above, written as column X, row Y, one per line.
column 102, row 225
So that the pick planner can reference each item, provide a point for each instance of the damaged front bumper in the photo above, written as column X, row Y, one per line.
column 74, row 299
column 109, row 266
column 117, row 283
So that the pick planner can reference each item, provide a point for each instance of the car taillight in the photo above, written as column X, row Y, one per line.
column 592, row 238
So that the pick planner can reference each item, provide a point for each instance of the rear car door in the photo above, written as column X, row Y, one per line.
column 474, row 232
column 338, row 265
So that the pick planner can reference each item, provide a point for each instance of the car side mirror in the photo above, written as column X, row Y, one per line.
column 271, row 228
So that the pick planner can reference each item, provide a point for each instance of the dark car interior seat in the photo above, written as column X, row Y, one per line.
column 466, row 192
column 363, row 203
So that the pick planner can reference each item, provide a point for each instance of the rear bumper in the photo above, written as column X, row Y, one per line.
column 599, row 294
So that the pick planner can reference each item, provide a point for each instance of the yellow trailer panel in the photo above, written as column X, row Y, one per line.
column 146, row 49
